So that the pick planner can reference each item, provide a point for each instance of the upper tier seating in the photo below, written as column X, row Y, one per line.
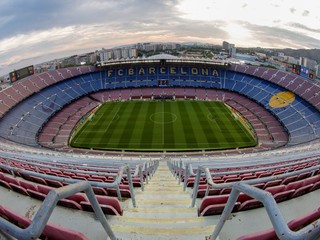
column 23, row 122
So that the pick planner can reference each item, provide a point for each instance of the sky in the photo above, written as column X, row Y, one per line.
column 34, row 31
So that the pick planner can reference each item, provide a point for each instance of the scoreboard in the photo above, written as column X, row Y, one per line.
column 21, row 73
column 303, row 71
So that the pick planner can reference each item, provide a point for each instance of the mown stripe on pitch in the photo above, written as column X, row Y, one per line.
column 240, row 133
column 197, row 126
column 130, row 125
column 224, row 125
column 237, row 133
column 218, row 119
column 87, row 131
column 169, row 119
column 103, row 127
column 148, row 127
column 110, row 138
column 208, row 128
column 187, row 126
column 139, row 124
column 179, row 134
column 158, row 127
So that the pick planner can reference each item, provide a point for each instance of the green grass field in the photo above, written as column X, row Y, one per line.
column 163, row 125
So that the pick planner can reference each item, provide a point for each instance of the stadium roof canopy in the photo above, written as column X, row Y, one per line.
column 163, row 56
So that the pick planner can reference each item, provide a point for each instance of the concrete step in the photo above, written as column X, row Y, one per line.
column 163, row 212
column 173, row 196
column 163, row 231
column 162, row 191
column 164, row 201
column 151, row 220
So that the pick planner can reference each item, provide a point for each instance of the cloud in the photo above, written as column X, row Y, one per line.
column 41, row 30
column 293, row 10
column 300, row 26
column 283, row 37
column 305, row 13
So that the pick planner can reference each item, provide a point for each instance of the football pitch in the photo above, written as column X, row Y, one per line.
column 183, row 125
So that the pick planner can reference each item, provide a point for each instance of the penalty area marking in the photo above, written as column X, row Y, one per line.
column 115, row 117
column 210, row 118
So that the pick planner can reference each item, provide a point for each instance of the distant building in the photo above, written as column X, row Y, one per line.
column 225, row 45
column 233, row 52
column 318, row 71
column 118, row 53
column 291, row 60
column 125, row 53
column 229, row 48
column 133, row 53
column 309, row 63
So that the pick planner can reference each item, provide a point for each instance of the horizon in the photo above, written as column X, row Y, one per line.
column 39, row 31
column 49, row 58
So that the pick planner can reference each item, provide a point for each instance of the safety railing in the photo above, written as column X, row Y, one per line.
column 34, row 230
column 184, row 170
column 121, row 173
column 146, row 168
column 211, row 184
column 279, row 224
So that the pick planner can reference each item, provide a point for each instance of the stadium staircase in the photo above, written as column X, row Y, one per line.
column 163, row 212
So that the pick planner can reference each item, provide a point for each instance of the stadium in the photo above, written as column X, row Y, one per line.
column 160, row 148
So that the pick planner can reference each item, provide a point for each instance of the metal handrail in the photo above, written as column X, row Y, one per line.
column 190, row 172
column 34, row 230
column 211, row 184
column 251, row 160
column 69, row 169
column 279, row 224
column 114, row 184
column 144, row 169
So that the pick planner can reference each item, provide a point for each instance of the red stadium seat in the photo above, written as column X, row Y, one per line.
column 38, row 180
column 202, row 190
column 280, row 193
column 312, row 180
column 250, row 204
column 212, row 205
column 303, row 176
column 273, row 183
column 37, row 195
column 302, row 190
column 44, row 189
column 289, row 180
column 124, row 190
column 51, row 231
column 109, row 205
column 5, row 184
column 315, row 186
column 11, row 179
column 295, row 185
column 18, row 189
column 294, row 225
column 100, row 191
column 69, row 204
column 28, row 185
column 54, row 183
column 78, row 197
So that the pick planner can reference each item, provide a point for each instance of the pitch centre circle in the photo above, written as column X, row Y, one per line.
column 163, row 117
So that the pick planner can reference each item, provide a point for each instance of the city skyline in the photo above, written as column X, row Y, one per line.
column 35, row 31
